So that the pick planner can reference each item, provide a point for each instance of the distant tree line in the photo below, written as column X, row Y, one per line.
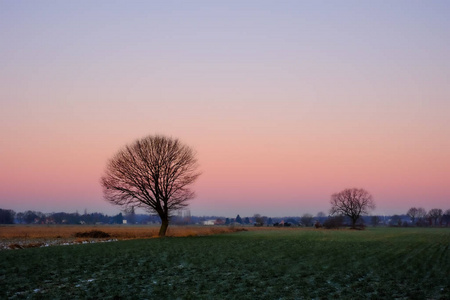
column 183, row 218
column 7, row 216
column 413, row 217
column 37, row 217
column 418, row 216
column 435, row 217
column 306, row 220
column 333, row 221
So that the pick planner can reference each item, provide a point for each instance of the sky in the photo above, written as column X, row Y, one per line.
column 285, row 102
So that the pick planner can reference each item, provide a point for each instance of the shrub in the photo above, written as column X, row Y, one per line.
column 334, row 222
column 317, row 224
column 93, row 234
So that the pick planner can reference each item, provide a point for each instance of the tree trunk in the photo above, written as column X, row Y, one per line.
column 354, row 222
column 164, row 225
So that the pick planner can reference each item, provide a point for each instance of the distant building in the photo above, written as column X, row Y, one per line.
column 209, row 222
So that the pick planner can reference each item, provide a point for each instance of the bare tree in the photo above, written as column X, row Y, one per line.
column 321, row 214
column 153, row 173
column 396, row 220
column 352, row 203
column 412, row 213
column 334, row 222
column 259, row 220
column 435, row 214
column 7, row 216
column 446, row 217
column 130, row 215
column 421, row 214
column 320, row 218
column 375, row 220
column 307, row 220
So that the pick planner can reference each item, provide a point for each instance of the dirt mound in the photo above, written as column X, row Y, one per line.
column 97, row 234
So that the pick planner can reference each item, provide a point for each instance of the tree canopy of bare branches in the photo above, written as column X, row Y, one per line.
column 446, row 217
column 307, row 219
column 435, row 214
column 153, row 173
column 412, row 213
column 352, row 203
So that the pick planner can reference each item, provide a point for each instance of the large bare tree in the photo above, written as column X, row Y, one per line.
column 153, row 173
column 352, row 203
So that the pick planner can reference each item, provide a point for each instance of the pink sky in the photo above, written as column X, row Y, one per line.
column 284, row 103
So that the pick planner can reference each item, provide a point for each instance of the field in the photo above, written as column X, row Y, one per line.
column 29, row 236
column 381, row 263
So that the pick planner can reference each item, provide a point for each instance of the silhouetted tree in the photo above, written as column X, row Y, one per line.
column 435, row 214
column 246, row 220
column 291, row 221
column 219, row 221
column 307, row 220
column 153, row 173
column 320, row 217
column 259, row 220
column 412, row 213
column 375, row 220
column 7, row 216
column 63, row 218
column 333, row 222
column 421, row 216
column 130, row 215
column 321, row 214
column 118, row 219
column 95, row 218
column 396, row 220
column 32, row 216
column 238, row 219
column 352, row 203
column 446, row 217
column 20, row 217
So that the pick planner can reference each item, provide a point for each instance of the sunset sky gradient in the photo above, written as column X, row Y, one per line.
column 285, row 102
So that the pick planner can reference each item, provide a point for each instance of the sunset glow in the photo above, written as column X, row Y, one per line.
column 285, row 103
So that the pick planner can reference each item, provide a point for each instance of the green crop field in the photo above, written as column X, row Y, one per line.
column 381, row 263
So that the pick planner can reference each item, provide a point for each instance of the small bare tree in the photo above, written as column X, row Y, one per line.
column 153, row 173
column 375, row 220
column 259, row 220
column 352, row 203
column 446, row 217
column 307, row 220
column 321, row 214
column 421, row 215
column 435, row 214
column 412, row 213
